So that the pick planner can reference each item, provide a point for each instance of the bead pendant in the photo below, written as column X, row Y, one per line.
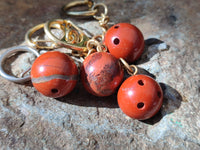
column 140, row 97
column 125, row 41
column 101, row 74
column 54, row 74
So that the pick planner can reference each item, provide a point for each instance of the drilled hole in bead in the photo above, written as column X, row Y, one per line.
column 54, row 91
column 159, row 94
column 116, row 27
column 140, row 82
column 140, row 105
column 116, row 41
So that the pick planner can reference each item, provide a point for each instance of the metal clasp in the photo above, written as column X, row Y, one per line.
column 73, row 38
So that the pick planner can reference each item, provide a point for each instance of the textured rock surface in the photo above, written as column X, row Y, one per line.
column 29, row 120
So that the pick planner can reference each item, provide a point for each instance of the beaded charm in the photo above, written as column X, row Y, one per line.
column 140, row 97
column 101, row 74
column 125, row 41
column 54, row 74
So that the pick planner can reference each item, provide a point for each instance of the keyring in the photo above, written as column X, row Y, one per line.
column 90, row 12
column 8, row 53
column 35, row 44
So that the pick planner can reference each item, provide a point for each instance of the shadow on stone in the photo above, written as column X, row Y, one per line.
column 140, row 71
column 171, row 102
column 152, row 46
column 145, row 72
column 80, row 97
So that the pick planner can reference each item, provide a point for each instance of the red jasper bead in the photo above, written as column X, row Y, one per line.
column 54, row 74
column 125, row 40
column 101, row 74
column 140, row 97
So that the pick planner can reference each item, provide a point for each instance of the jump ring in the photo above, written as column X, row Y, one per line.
column 135, row 70
column 98, row 5
column 9, row 53
column 129, row 68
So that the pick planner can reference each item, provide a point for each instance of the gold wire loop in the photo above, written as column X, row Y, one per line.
column 74, row 38
column 131, row 69
column 94, row 45
column 36, row 43
column 95, row 6
column 103, row 18
column 103, row 22
column 99, row 38
column 89, row 12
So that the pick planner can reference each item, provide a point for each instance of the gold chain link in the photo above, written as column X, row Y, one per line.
column 131, row 69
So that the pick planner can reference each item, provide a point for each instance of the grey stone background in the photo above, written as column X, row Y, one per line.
column 29, row 120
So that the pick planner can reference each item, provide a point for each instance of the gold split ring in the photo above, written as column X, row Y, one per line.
column 89, row 12
column 35, row 44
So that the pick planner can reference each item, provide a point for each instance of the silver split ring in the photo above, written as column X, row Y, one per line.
column 8, row 53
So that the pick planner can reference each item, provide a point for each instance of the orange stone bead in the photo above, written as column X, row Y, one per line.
column 54, row 74
column 140, row 97
column 101, row 74
column 125, row 40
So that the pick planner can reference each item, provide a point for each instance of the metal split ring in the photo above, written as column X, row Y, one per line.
column 35, row 44
column 80, row 13
column 92, row 9
column 8, row 53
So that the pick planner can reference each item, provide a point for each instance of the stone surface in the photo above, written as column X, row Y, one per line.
column 79, row 120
